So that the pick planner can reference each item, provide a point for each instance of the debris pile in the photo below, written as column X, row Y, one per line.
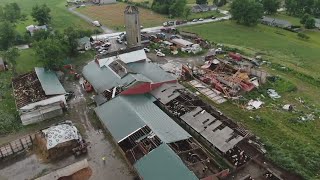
column 27, row 89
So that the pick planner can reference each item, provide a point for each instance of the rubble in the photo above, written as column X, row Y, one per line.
column 254, row 104
column 273, row 94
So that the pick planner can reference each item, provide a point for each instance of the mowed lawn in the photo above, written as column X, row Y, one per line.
column 112, row 15
column 61, row 17
column 293, row 145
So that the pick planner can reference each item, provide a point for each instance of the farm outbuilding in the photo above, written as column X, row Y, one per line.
column 181, row 43
column 39, row 95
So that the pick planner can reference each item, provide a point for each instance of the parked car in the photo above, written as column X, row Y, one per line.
column 195, row 20
column 213, row 17
column 69, row 95
column 201, row 19
column 106, row 44
column 160, row 54
column 119, row 41
column 103, row 52
column 146, row 50
column 96, row 23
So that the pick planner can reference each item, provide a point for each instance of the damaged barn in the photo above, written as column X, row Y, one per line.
column 39, row 95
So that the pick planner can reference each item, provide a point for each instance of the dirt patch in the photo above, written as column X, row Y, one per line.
column 83, row 174
column 113, row 16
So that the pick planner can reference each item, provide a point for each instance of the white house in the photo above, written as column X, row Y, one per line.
column 84, row 43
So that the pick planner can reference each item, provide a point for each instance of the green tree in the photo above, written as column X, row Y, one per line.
column 216, row 2
column 202, row 1
column 51, row 53
column 7, row 35
column 186, row 12
column 11, row 12
column 41, row 14
column 11, row 56
column 247, row 12
column 176, row 9
column 271, row 6
column 310, row 23
column 304, row 18
column 71, row 40
column 40, row 35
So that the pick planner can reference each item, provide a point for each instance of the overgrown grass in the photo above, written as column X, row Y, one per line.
column 291, row 144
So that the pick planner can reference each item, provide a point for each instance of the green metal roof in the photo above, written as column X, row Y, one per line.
column 125, row 114
column 49, row 81
column 120, row 119
column 104, row 78
column 84, row 40
column 151, row 71
column 163, row 164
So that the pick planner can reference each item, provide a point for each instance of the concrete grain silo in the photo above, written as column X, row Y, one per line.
column 132, row 21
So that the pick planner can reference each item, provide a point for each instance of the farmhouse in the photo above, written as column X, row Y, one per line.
column 203, row 8
column 84, row 43
column 33, row 28
column 39, row 95
column 275, row 22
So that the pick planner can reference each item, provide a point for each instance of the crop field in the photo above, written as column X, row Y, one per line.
column 291, row 143
column 112, row 16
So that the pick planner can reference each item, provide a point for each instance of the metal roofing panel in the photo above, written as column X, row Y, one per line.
column 103, row 78
column 167, row 92
column 160, row 123
column 119, row 118
column 129, row 57
column 162, row 163
column 151, row 71
column 205, row 124
column 49, row 82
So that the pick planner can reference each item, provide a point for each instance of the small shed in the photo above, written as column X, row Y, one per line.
column 32, row 28
column 84, row 43
column 181, row 43
column 2, row 65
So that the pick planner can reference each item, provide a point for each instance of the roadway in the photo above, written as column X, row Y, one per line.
column 157, row 28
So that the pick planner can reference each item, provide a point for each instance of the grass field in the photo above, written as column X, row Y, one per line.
column 112, row 15
column 61, row 17
column 291, row 144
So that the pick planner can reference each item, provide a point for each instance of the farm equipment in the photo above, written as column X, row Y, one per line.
column 81, row 149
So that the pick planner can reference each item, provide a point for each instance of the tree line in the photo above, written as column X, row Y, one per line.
column 249, row 12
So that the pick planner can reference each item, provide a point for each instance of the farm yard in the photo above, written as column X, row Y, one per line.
column 112, row 15
column 290, row 143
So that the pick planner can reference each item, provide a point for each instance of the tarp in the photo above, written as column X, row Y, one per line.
column 59, row 134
